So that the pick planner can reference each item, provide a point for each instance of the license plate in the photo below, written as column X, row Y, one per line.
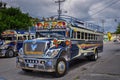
column 30, row 65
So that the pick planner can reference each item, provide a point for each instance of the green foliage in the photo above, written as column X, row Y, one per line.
column 13, row 18
column 118, row 29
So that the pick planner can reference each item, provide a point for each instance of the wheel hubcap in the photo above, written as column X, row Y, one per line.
column 10, row 53
column 96, row 55
column 61, row 67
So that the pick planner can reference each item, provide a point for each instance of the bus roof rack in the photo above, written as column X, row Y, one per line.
column 77, row 22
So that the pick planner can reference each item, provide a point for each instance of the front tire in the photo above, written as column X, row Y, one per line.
column 93, row 57
column 61, row 67
column 10, row 53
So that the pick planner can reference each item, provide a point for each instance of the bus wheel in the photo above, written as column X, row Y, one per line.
column 93, row 57
column 10, row 53
column 61, row 67
column 26, row 70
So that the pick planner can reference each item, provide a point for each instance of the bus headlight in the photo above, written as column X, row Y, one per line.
column 5, row 46
column 52, row 53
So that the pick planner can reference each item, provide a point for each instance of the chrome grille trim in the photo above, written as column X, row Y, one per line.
column 32, row 61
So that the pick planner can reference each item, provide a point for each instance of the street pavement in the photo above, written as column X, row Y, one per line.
column 107, row 67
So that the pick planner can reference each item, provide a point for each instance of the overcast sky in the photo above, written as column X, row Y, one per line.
column 95, row 11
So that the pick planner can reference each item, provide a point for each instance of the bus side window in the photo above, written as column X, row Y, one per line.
column 96, row 37
column 24, row 37
column 32, row 37
column 82, row 35
column 74, row 34
column 89, row 37
column 20, row 38
column 78, row 35
column 85, row 35
column 14, row 38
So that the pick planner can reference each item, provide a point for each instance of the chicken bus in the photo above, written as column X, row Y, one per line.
column 58, row 42
column 11, row 41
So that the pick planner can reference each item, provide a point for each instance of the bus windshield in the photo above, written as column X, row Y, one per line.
column 9, row 38
column 53, row 34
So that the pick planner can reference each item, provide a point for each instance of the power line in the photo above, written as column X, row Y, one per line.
column 117, row 5
column 105, row 8
column 100, row 6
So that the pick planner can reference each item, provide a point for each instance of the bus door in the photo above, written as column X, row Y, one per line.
column 74, row 50
column 20, row 41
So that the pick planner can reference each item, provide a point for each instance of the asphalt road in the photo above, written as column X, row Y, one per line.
column 107, row 67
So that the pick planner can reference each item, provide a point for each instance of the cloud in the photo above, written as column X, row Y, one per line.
column 78, row 8
column 38, row 8
column 95, row 10
column 105, row 9
column 11, row 3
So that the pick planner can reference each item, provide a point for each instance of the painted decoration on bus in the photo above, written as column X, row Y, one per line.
column 8, row 32
column 39, row 24
column 87, row 46
column 51, row 25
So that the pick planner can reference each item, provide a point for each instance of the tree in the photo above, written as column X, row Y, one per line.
column 13, row 18
column 118, row 29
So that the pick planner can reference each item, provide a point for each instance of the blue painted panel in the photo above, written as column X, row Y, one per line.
column 74, row 50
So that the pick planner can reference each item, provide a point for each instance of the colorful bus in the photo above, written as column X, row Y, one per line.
column 60, row 41
column 11, row 41
column 85, row 35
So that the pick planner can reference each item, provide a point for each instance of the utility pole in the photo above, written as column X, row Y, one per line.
column 59, row 9
column 103, row 21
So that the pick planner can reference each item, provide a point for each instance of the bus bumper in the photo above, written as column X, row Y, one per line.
column 45, row 65
column 2, row 52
